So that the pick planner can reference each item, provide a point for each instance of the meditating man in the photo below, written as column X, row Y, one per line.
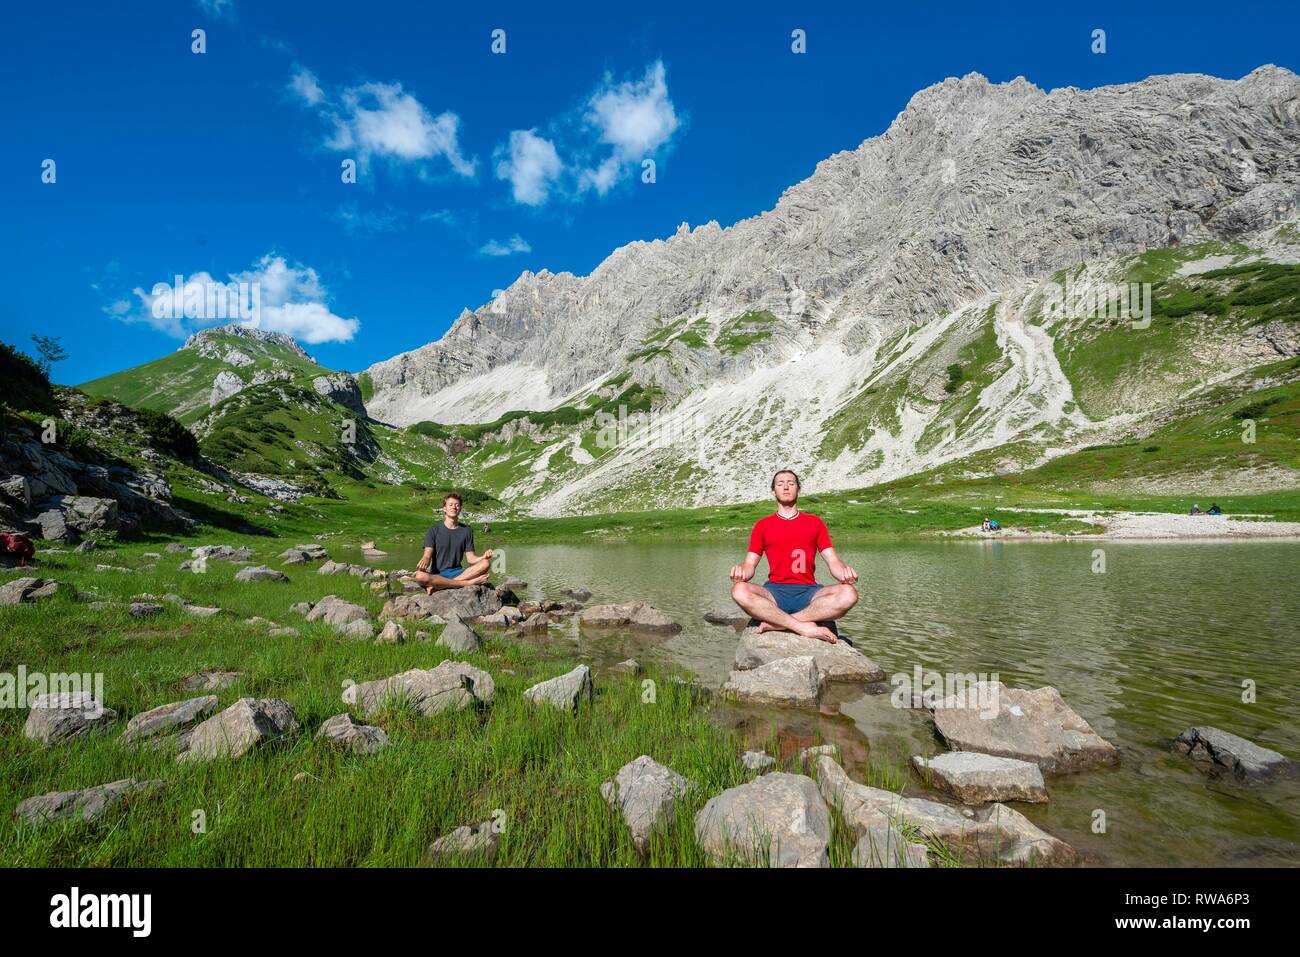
column 791, row 599
column 445, row 546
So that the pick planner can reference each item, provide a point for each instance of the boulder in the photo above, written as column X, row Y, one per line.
column 471, row 844
column 62, row 715
column 335, row 611
column 83, row 513
column 144, row 609
column 989, row 835
column 836, row 662
column 646, row 792
column 629, row 667
column 757, row 760
column 537, row 622
column 168, row 719
column 53, row 527
column 392, row 634
column 564, row 692
column 727, row 614
column 1033, row 726
column 778, row 820
column 247, row 724
column 356, row 629
column 1220, row 751
column 346, row 732
column 447, row 604
column 27, row 590
column 633, row 614
column 792, row 682
column 885, row 846
column 429, row 691
column 89, row 804
column 260, row 573
column 458, row 637
column 975, row 778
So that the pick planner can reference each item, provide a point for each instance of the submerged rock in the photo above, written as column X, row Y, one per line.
column 635, row 615
column 836, row 662
column 778, row 819
column 1228, row 753
column 726, row 614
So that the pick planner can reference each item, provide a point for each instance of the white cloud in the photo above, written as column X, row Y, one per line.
column 531, row 164
column 367, row 222
column 218, row 9
column 618, row 125
column 274, row 296
column 515, row 244
column 379, row 119
column 305, row 86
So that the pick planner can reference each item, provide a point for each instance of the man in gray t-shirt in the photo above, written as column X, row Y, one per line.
column 446, row 545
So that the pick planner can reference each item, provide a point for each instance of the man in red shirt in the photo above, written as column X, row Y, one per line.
column 791, row 599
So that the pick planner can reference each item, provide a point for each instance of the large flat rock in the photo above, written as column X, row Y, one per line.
column 1033, row 726
column 836, row 662
column 975, row 778
column 777, row 820
column 990, row 835
column 788, row 682
column 445, row 605
column 168, row 719
column 64, row 715
column 635, row 615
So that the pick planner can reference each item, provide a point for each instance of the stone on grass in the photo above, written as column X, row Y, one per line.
column 646, row 792
column 632, row 614
column 247, row 724
column 791, row 682
column 992, row 834
column 260, row 573
column 210, row 679
column 470, row 844
column 757, row 760
column 565, row 692
column 88, row 805
column 175, row 547
column 345, row 731
column 302, row 607
column 836, row 662
column 392, row 634
column 458, row 637
column 227, row 552
column 777, row 820
column 449, row 687
column 62, row 715
column 168, row 719
column 144, row 609
column 202, row 611
column 23, row 590
column 356, row 629
column 1033, row 726
column 975, row 778
column 629, row 667
column 885, row 846
column 1220, row 751
column 283, row 632
column 335, row 611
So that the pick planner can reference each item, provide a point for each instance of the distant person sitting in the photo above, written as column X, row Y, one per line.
column 994, row 526
column 985, row 525
column 1196, row 509
column 446, row 545
column 1214, row 510
column 791, row 599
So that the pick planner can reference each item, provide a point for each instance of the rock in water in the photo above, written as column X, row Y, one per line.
column 888, row 847
column 636, row 615
column 63, row 715
column 989, row 835
column 448, row 604
column 975, row 778
column 564, row 692
column 168, row 719
column 792, row 682
column 837, row 662
column 260, row 573
column 345, row 731
column 459, row 637
column 646, row 792
column 1033, row 726
column 89, row 804
column 1244, row 760
column 471, row 844
column 726, row 614
column 778, row 820
column 245, row 725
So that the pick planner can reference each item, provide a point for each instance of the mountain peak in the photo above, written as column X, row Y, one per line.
column 207, row 339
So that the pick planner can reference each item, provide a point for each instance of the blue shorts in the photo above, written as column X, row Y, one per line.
column 450, row 572
column 792, row 597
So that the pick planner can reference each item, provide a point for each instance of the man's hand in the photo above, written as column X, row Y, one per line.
column 740, row 574
column 423, row 564
column 846, row 575
column 487, row 554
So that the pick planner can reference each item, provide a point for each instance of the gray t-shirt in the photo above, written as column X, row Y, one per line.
column 449, row 545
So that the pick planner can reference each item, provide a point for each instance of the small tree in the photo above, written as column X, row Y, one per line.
column 50, row 352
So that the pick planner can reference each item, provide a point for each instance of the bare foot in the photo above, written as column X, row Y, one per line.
column 767, row 626
column 821, row 632
column 428, row 590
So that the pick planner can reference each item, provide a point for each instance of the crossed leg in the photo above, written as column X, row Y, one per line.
column 829, row 603
column 475, row 574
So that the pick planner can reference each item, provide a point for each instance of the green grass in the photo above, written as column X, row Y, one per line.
column 538, row 772
column 738, row 334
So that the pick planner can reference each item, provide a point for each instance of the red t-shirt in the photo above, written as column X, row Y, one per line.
column 791, row 546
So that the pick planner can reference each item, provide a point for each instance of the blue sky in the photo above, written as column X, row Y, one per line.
column 472, row 166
